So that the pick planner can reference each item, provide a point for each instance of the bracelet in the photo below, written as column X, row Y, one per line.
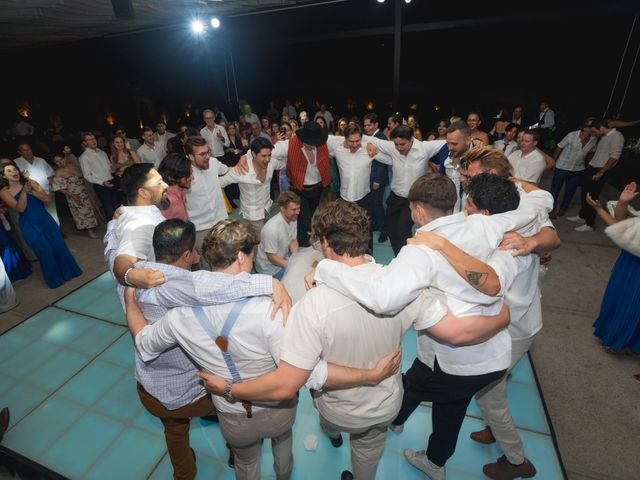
column 126, row 279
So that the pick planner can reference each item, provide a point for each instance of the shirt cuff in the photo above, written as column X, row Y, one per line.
column 318, row 376
column 145, row 355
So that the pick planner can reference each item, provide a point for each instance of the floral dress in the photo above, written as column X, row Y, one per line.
column 80, row 203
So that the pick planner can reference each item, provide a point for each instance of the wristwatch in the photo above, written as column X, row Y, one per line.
column 228, row 396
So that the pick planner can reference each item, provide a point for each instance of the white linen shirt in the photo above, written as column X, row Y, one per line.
column 527, row 167
column 573, row 152
column 40, row 171
column 355, row 169
column 609, row 146
column 255, row 196
column 325, row 325
column 205, row 204
column 152, row 155
column 163, row 139
column 215, row 144
column 95, row 166
column 406, row 169
column 275, row 237
column 312, row 175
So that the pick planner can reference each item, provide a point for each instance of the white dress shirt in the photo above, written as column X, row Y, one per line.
column 255, row 195
column 152, row 155
column 325, row 325
column 406, row 169
column 609, row 146
column 312, row 175
column 275, row 237
column 205, row 203
column 163, row 139
column 95, row 166
column 354, row 168
column 528, row 167
column 453, row 172
column 573, row 155
column 511, row 146
column 39, row 170
column 215, row 144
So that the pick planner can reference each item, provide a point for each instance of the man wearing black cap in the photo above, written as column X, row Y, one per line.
column 307, row 158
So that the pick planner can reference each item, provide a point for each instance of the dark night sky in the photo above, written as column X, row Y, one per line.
column 569, row 55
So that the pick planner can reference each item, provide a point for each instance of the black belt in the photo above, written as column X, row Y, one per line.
column 312, row 187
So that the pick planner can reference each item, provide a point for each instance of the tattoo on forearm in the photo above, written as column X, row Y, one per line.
column 477, row 279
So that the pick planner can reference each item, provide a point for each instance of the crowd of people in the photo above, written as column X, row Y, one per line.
column 216, row 305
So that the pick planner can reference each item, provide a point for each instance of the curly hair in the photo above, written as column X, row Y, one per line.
column 344, row 225
column 225, row 240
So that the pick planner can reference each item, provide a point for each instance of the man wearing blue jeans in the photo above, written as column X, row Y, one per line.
column 573, row 152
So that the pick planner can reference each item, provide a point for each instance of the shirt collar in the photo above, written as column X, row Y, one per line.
column 142, row 209
column 443, row 222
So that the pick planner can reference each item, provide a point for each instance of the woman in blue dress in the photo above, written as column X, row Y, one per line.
column 39, row 229
column 618, row 325
column 15, row 263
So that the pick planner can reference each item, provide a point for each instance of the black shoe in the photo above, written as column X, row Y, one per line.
column 231, row 462
column 4, row 422
column 336, row 442
column 383, row 237
column 346, row 475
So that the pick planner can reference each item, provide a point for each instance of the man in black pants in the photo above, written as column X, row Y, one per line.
column 410, row 159
column 595, row 176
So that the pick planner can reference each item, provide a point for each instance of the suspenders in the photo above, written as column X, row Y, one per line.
column 222, row 340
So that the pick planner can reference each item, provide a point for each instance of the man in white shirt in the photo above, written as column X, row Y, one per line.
column 606, row 157
column 571, row 155
column 279, row 237
column 509, row 143
column 257, row 132
column 40, row 171
column 150, row 151
column 255, row 185
column 459, row 141
column 410, row 159
column 326, row 114
column 96, row 169
column 318, row 332
column 289, row 110
column 528, row 163
column 215, row 135
column 354, row 165
column 252, row 347
column 546, row 118
column 162, row 135
column 205, row 203
column 249, row 116
column 129, row 237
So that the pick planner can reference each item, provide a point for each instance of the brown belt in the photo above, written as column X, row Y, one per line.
column 312, row 187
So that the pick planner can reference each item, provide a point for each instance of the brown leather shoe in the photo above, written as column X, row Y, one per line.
column 503, row 470
column 483, row 436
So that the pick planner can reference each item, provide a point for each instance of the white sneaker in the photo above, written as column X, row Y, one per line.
column 584, row 228
column 422, row 463
column 397, row 429
column 577, row 218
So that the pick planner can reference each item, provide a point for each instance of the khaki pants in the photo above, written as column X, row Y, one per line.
column 367, row 446
column 258, row 224
column 493, row 403
column 176, row 430
column 245, row 436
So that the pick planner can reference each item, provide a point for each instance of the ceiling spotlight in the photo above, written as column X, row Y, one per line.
column 380, row 1
column 215, row 22
column 197, row 27
column 407, row 1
